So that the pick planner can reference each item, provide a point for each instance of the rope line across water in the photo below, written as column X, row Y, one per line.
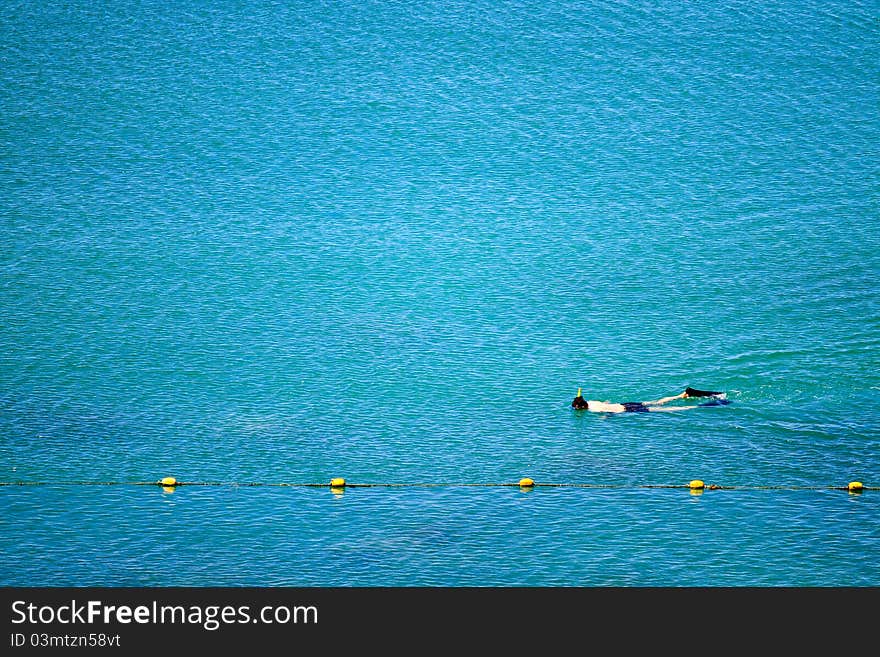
column 170, row 482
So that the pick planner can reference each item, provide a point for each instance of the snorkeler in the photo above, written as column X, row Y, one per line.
column 580, row 404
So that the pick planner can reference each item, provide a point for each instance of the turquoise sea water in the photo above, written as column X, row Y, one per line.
column 283, row 242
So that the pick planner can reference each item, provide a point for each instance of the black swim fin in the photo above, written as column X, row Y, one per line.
column 693, row 392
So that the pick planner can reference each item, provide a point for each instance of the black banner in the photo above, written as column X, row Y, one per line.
column 162, row 620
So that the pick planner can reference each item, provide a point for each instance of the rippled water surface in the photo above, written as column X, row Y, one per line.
column 284, row 242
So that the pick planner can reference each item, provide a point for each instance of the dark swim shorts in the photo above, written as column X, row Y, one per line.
column 634, row 407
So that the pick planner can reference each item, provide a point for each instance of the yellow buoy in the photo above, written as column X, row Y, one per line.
column 526, row 482
column 168, row 481
column 855, row 485
column 337, row 482
column 696, row 484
